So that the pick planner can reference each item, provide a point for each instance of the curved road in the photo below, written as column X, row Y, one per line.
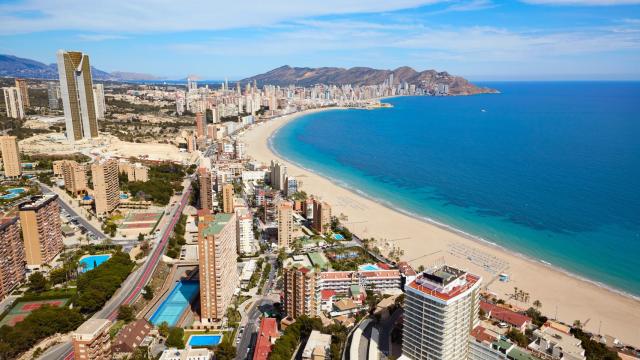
column 132, row 286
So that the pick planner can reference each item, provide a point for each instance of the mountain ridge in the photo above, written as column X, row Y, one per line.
column 305, row 76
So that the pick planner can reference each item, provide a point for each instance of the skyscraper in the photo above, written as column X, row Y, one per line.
column 441, row 308
column 76, row 86
column 285, row 224
column 91, row 341
column 75, row 176
column 106, row 185
column 13, row 102
column 53, row 93
column 247, row 243
column 299, row 291
column 21, row 84
column 278, row 174
column 217, row 259
column 12, row 258
column 98, row 96
column 200, row 124
column 206, row 189
column 40, row 222
column 10, row 156
column 321, row 216
column 227, row 198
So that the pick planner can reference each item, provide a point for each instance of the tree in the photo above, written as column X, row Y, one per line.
column 577, row 324
column 126, row 313
column 163, row 329
column 537, row 304
column 175, row 338
column 225, row 351
column 148, row 293
column 58, row 276
column 140, row 237
column 140, row 353
column 517, row 337
column 38, row 283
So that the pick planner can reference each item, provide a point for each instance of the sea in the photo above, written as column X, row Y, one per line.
column 550, row 170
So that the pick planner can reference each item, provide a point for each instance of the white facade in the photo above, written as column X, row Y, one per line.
column 13, row 102
column 441, row 308
column 98, row 97
column 247, row 243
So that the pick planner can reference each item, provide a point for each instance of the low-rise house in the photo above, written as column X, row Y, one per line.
column 510, row 317
column 345, row 307
column 551, row 343
column 317, row 347
column 327, row 298
column 267, row 336
column 131, row 336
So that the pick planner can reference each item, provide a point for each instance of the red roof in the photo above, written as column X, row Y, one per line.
column 268, row 330
column 406, row 269
column 326, row 294
column 505, row 315
column 470, row 281
column 480, row 335
column 383, row 266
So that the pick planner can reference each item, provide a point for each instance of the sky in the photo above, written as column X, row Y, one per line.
column 479, row 39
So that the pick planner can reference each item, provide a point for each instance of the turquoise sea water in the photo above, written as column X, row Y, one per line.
column 550, row 170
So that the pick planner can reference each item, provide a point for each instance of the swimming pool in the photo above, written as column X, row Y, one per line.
column 174, row 305
column 204, row 340
column 124, row 196
column 368, row 267
column 12, row 193
column 90, row 262
column 338, row 237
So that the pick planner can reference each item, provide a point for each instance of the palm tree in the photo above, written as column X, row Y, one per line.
column 537, row 304
column 577, row 324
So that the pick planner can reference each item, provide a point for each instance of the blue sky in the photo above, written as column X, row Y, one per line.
column 480, row 39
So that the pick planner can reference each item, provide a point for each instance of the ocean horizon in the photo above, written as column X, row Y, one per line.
column 549, row 170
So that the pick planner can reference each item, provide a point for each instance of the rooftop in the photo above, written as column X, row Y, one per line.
column 316, row 339
column 37, row 202
column 90, row 329
column 445, row 282
column 508, row 316
column 219, row 222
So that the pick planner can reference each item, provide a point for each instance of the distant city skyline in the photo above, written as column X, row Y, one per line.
column 478, row 39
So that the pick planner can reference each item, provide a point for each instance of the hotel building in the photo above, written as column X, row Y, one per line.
column 217, row 259
column 76, row 87
column 246, row 240
column 321, row 216
column 40, row 222
column 227, row 198
column 206, row 189
column 106, row 185
column 12, row 258
column 10, row 156
column 278, row 175
column 285, row 224
column 374, row 280
column 13, row 102
column 75, row 177
column 441, row 309
column 21, row 85
column 300, row 291
column 91, row 340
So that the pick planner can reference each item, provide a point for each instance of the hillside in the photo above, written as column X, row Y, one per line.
column 13, row 66
column 428, row 79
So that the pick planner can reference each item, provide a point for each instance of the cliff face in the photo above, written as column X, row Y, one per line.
column 428, row 79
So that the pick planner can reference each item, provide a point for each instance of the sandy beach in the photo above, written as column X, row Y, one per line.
column 425, row 243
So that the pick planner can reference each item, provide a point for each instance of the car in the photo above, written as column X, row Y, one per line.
column 503, row 325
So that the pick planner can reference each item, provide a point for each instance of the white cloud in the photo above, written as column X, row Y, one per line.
column 170, row 15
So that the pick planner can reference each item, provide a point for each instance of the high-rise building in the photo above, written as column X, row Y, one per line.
column 246, row 240
column 218, row 265
column 441, row 309
column 12, row 258
column 10, row 156
column 278, row 174
column 321, row 216
column 41, row 229
column 299, row 291
column 227, row 198
column 206, row 189
column 285, row 224
column 98, row 96
column 240, row 150
column 91, row 341
column 106, row 185
column 53, row 93
column 21, row 84
column 192, row 85
column 75, row 177
column 291, row 185
column 200, row 125
column 76, row 87
column 13, row 102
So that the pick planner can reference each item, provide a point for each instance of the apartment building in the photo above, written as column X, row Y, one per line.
column 206, row 189
column 106, row 185
column 13, row 103
column 300, row 291
column 91, row 340
column 10, row 156
column 227, row 198
column 75, row 176
column 40, row 222
column 285, row 224
column 247, row 243
column 23, row 89
column 321, row 216
column 377, row 281
column 12, row 257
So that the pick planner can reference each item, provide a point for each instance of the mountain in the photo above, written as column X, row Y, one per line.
column 13, row 66
column 428, row 79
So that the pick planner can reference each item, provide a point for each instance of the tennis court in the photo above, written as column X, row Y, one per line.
column 20, row 310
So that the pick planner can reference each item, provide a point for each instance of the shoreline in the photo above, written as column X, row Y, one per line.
column 583, row 299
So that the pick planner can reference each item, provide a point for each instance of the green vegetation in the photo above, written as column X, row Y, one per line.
column 226, row 350
column 517, row 337
column 126, row 313
column 123, row 107
column 41, row 323
column 287, row 343
column 253, row 281
column 163, row 329
column 45, row 162
column 299, row 195
column 15, row 127
column 338, row 228
column 177, row 238
column 265, row 275
column 148, row 293
column 164, row 180
column 537, row 318
column 38, row 283
column 95, row 287
column 175, row 338
column 593, row 349
column 348, row 259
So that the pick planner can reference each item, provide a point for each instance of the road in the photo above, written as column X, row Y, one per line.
column 87, row 225
column 132, row 286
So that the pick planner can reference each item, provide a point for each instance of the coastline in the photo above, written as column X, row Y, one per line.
column 569, row 295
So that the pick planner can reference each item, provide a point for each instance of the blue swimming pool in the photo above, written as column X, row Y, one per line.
column 204, row 340
column 90, row 262
column 338, row 237
column 174, row 305
column 12, row 193
column 368, row 267
column 124, row 196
